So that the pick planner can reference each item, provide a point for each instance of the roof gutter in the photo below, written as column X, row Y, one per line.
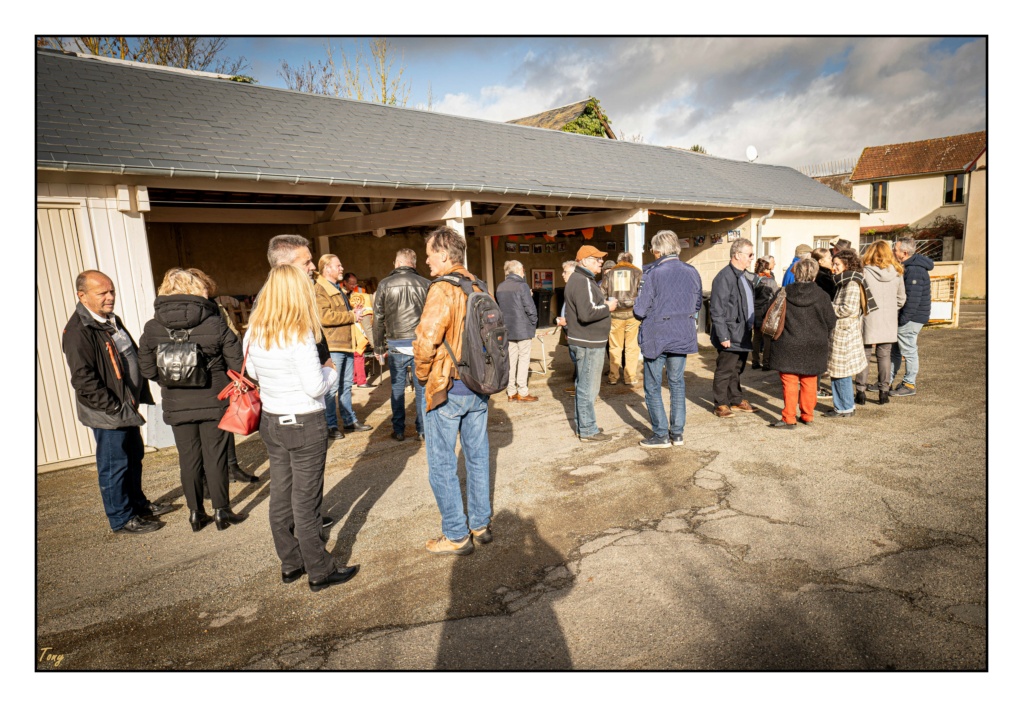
column 760, row 224
column 65, row 166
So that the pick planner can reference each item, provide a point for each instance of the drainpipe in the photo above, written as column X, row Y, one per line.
column 760, row 226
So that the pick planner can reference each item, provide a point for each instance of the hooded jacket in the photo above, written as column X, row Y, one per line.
column 917, row 279
column 802, row 348
column 889, row 292
column 216, row 341
column 667, row 307
column 104, row 399
column 516, row 303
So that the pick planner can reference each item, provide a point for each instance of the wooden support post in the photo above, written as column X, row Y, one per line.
column 323, row 243
column 635, row 242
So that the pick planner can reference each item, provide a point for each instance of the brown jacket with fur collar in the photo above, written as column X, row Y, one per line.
column 443, row 319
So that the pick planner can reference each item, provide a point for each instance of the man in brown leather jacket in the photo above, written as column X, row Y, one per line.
column 451, row 408
column 622, row 282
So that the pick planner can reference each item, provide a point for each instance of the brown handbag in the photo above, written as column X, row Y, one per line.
column 244, row 407
column 774, row 318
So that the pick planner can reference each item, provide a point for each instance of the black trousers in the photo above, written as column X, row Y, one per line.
column 730, row 366
column 202, row 449
column 298, row 453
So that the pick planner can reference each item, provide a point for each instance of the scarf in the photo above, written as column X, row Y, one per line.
column 867, row 299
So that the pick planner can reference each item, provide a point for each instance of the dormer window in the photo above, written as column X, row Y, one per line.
column 879, row 196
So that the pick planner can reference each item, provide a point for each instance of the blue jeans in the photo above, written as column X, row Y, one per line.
column 589, row 363
column 345, row 365
column 398, row 363
column 652, row 370
column 842, row 394
column 465, row 415
column 906, row 348
column 119, row 463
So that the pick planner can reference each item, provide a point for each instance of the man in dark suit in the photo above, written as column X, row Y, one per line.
column 731, row 315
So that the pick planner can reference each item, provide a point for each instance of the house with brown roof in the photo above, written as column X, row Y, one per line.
column 558, row 118
column 926, row 183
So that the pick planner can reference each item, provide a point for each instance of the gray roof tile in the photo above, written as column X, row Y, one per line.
column 171, row 120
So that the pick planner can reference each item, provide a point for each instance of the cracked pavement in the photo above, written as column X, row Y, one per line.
column 850, row 544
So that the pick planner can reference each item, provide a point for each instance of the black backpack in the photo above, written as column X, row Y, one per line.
column 180, row 363
column 483, row 367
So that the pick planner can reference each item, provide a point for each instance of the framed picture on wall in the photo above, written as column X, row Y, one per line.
column 549, row 248
column 524, row 247
column 537, row 248
column 511, row 247
column 543, row 279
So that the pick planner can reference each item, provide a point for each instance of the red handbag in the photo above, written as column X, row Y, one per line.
column 244, row 407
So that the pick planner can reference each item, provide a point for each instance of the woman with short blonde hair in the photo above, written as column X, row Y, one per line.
column 178, row 281
column 280, row 346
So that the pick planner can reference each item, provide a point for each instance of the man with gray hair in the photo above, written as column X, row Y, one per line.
column 622, row 281
column 398, row 306
column 516, row 302
column 913, row 315
column 287, row 248
column 731, row 316
column 667, row 308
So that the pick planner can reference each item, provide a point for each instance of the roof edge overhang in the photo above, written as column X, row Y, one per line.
column 968, row 167
column 216, row 175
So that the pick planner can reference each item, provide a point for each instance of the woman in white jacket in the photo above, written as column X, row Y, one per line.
column 281, row 348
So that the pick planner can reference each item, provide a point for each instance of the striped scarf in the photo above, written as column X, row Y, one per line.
column 867, row 299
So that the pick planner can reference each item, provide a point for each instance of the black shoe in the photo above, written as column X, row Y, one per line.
column 138, row 524
column 421, row 437
column 238, row 474
column 767, row 368
column 289, row 577
column 335, row 433
column 860, row 397
column 756, row 366
column 199, row 520
column 327, row 521
column 336, row 577
column 882, row 397
column 781, row 424
column 400, row 436
column 357, row 427
column 156, row 509
column 223, row 517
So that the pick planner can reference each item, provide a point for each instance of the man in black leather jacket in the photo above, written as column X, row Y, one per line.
column 109, row 390
column 397, row 308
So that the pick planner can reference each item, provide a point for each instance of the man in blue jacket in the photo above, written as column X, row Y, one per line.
column 914, row 313
column 516, row 302
column 731, row 316
column 667, row 306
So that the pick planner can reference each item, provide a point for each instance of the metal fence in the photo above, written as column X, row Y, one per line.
column 932, row 247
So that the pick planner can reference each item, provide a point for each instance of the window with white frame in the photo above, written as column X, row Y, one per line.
column 769, row 246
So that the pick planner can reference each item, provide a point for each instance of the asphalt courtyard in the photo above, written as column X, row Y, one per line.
column 849, row 544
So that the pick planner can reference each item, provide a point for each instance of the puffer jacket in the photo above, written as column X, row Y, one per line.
column 397, row 306
column 889, row 292
column 335, row 315
column 516, row 303
column 622, row 282
column 917, row 279
column 216, row 341
column 443, row 320
column 104, row 399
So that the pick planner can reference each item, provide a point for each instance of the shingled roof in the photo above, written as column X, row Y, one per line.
column 101, row 116
column 944, row 154
column 557, row 118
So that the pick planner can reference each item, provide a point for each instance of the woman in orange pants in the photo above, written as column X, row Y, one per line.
column 800, row 354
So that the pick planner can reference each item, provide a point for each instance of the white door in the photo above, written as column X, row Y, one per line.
column 59, row 259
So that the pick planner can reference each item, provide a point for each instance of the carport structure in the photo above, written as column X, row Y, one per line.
column 142, row 167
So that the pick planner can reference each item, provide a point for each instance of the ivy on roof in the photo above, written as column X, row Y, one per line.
column 592, row 121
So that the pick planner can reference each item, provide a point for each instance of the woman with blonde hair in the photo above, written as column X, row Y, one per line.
column 184, row 312
column 280, row 349
column 883, row 275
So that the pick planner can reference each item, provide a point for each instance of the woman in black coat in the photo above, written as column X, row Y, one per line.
column 764, row 290
column 193, row 413
column 800, row 354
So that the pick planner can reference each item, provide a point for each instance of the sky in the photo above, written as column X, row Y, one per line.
column 798, row 100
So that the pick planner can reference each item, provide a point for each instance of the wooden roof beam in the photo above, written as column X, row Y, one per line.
column 568, row 223
column 399, row 218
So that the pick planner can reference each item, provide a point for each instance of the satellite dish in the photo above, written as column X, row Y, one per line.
column 751, row 153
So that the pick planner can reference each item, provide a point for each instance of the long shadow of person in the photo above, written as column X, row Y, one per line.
column 562, row 377
column 506, row 587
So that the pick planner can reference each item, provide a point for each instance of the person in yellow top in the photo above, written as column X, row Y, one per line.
column 355, row 291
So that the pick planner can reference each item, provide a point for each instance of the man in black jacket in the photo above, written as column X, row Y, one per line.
column 103, row 360
column 731, row 315
column 516, row 302
column 397, row 308
column 588, row 323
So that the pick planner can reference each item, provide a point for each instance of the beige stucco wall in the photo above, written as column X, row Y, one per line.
column 792, row 229
column 916, row 201
column 974, row 282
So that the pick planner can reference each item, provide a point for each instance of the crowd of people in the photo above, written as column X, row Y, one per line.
column 302, row 344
